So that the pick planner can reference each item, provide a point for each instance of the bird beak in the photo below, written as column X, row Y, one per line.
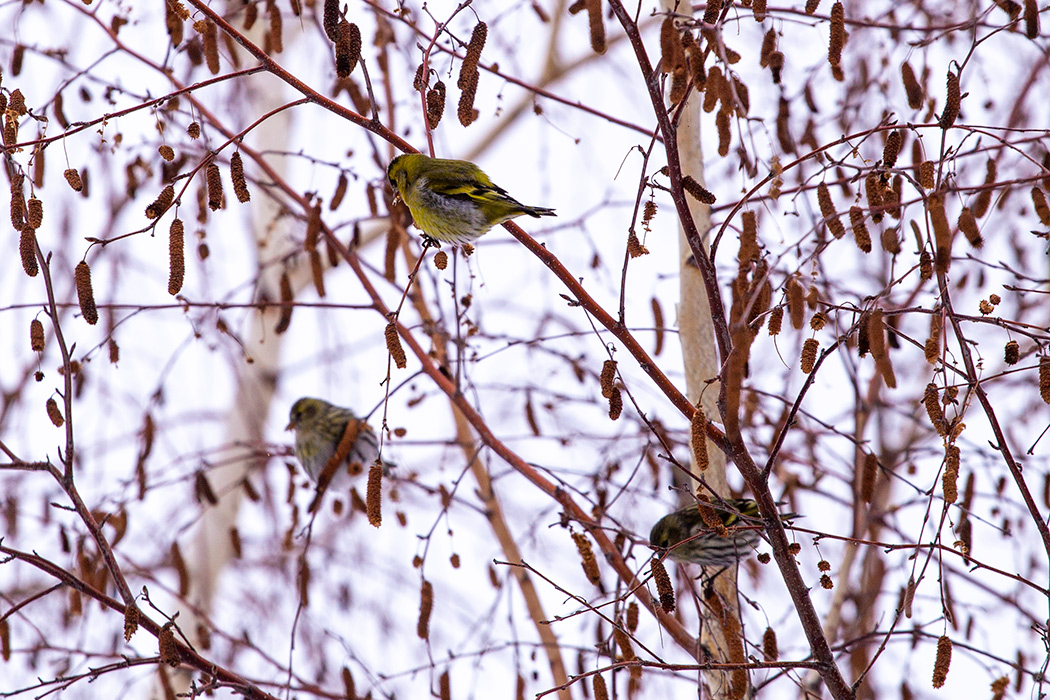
column 290, row 426
column 397, row 198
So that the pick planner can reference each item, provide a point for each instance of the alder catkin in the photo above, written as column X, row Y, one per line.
column 340, row 192
column 607, row 378
column 10, row 128
column 1031, row 19
column 347, row 48
column 679, row 85
column 827, row 210
column 873, row 189
column 713, row 81
column 601, row 691
column 393, row 346
column 663, row 585
column 624, row 643
column 796, row 302
column 932, row 346
column 632, row 608
column 951, row 106
column 596, row 26
column 927, row 173
column 313, row 228
column 374, row 495
column 838, row 34
column 769, row 44
column 587, row 560
column 27, row 251
column 697, row 71
column 770, row 652
column 634, row 246
column 35, row 212
column 330, row 20
column 931, row 400
column 54, row 413
column 809, row 355
column 749, row 249
column 999, row 686
column 176, row 257
column 1012, row 353
column 712, row 11
column 892, row 148
column 698, row 438
column 18, row 203
column 469, row 68
column 355, row 47
column 161, row 203
column 210, row 39
column 968, row 226
column 942, row 662
column 672, row 53
column 36, row 335
column 214, row 187
column 465, row 111
column 240, row 184
column 1044, row 378
column 877, row 334
column 284, row 320
column 883, row 361
column 131, row 622
column 426, row 606
column 435, row 104
column 615, row 404
column 860, row 229
column 722, row 126
column 274, row 40
column 1042, row 210
column 869, row 473
column 942, row 233
column 950, row 478
column 702, row 195
column 85, row 295
column 925, row 265
column 776, row 320
column 911, row 86
column 984, row 197
column 168, row 649
column 890, row 241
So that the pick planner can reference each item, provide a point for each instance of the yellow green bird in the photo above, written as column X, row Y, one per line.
column 687, row 538
column 453, row 201
column 319, row 426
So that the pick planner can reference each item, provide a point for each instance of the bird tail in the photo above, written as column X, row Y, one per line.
column 537, row 212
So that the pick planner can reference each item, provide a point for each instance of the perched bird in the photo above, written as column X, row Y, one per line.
column 689, row 539
column 453, row 201
column 319, row 426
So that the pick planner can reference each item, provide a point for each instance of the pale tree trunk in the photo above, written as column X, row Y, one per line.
column 701, row 362
column 211, row 547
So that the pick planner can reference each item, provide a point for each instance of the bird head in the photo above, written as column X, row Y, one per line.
column 403, row 170
column 303, row 412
